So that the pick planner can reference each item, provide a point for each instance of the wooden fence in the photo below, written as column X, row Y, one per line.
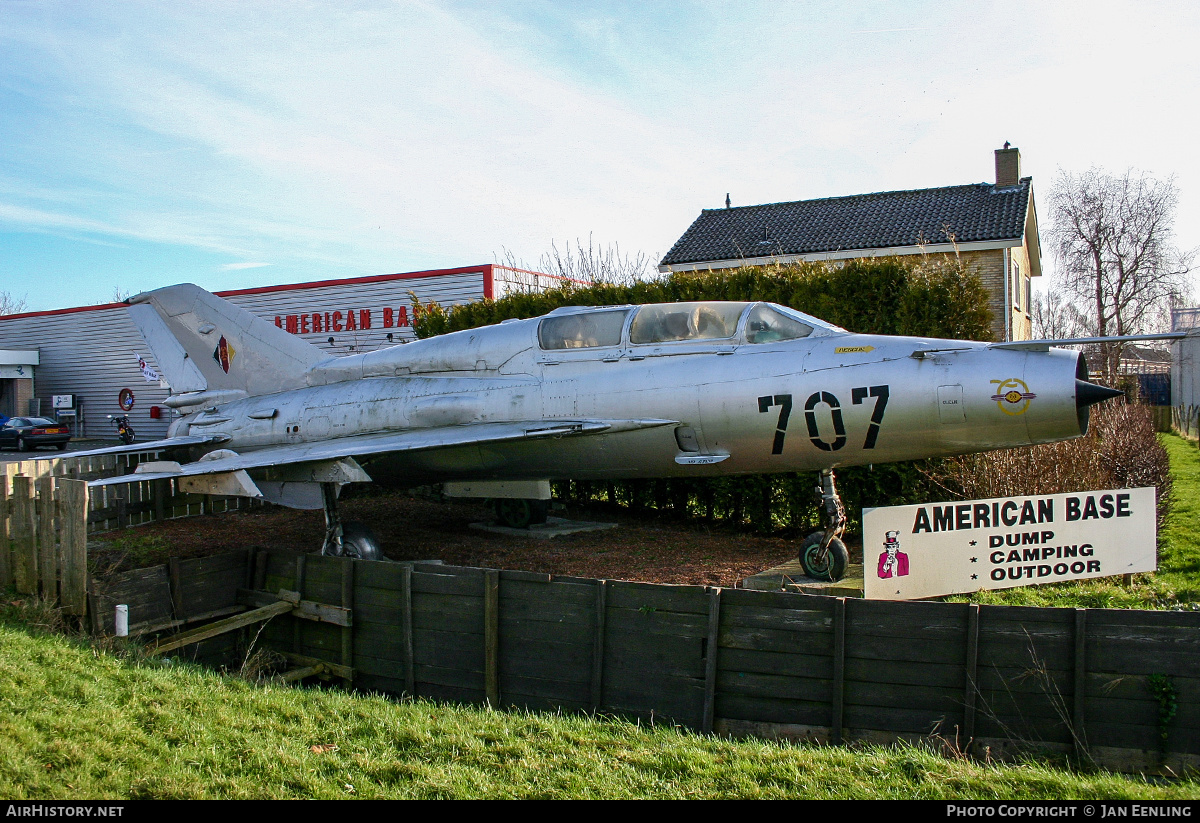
column 43, row 538
column 1094, row 682
column 127, row 504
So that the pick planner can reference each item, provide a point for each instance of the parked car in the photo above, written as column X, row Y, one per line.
column 25, row 433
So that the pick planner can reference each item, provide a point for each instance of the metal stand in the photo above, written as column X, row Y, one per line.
column 333, row 524
column 835, row 512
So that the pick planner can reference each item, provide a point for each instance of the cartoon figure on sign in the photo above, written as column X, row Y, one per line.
column 893, row 562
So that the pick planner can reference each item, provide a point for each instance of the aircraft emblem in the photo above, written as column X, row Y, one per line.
column 223, row 354
column 1012, row 396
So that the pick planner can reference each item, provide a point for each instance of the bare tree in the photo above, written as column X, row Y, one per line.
column 1112, row 237
column 1056, row 317
column 590, row 264
column 11, row 304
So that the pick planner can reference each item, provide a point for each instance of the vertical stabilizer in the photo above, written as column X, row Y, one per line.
column 202, row 342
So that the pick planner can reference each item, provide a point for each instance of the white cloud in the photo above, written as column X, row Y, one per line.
column 240, row 266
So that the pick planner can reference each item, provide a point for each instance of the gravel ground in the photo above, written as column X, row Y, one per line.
column 650, row 549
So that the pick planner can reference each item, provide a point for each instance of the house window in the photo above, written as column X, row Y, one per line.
column 1015, row 289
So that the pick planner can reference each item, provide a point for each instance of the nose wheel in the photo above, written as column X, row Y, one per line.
column 823, row 555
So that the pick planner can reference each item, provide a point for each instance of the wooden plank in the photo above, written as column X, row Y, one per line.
column 491, row 636
column 220, row 627
column 807, row 689
column 534, row 633
column 805, row 665
column 23, row 528
column 761, row 710
column 304, row 609
column 710, row 660
column 47, row 537
column 575, row 669
column 72, row 513
column 552, row 691
column 656, row 597
column 332, row 668
column 657, row 623
column 785, row 641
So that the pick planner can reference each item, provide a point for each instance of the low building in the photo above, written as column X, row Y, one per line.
column 1185, row 363
column 84, row 364
column 993, row 226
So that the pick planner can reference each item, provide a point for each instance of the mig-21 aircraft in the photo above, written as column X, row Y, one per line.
column 694, row 389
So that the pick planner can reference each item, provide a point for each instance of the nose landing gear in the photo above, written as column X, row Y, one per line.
column 349, row 539
column 823, row 554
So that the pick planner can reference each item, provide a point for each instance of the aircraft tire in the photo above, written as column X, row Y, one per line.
column 520, row 513
column 359, row 542
column 833, row 567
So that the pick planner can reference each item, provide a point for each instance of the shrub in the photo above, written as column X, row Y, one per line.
column 1120, row 450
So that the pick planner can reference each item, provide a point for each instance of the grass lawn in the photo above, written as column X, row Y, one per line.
column 80, row 723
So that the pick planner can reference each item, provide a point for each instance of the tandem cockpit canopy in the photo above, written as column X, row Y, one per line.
column 757, row 323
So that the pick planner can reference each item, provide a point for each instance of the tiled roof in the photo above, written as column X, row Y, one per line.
column 973, row 213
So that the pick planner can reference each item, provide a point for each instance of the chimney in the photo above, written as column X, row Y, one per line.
column 1008, row 166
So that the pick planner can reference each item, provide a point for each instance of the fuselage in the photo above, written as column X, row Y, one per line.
column 749, row 388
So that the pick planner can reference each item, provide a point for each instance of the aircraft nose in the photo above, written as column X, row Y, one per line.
column 1089, row 394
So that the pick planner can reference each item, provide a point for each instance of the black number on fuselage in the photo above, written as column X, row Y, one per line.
column 784, row 402
column 880, row 393
column 810, row 417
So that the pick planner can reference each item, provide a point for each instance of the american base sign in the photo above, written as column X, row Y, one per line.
column 953, row 548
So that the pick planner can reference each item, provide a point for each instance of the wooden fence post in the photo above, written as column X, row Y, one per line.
column 348, row 604
column 1079, row 687
column 710, row 660
column 972, row 667
column 47, row 537
column 598, row 645
column 406, row 631
column 24, row 534
column 6, row 549
column 839, row 671
column 72, row 518
column 491, row 636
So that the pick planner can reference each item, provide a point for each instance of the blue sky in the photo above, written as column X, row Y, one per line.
column 252, row 143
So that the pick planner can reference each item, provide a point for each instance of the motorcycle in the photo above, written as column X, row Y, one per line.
column 124, row 428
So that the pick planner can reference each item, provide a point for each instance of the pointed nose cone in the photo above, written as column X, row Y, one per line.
column 1089, row 394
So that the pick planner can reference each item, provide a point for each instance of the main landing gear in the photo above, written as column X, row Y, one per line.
column 349, row 539
column 823, row 554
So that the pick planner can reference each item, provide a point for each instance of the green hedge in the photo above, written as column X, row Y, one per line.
column 927, row 297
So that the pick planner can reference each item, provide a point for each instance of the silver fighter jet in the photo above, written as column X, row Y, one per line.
column 671, row 390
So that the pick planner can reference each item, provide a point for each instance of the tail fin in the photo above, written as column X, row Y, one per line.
column 202, row 342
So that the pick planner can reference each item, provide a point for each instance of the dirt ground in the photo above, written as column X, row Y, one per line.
column 647, row 548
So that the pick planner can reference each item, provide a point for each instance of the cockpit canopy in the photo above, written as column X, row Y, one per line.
column 753, row 323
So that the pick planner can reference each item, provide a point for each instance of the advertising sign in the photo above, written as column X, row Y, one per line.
column 952, row 548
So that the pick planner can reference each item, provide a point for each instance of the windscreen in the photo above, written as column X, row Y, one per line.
column 582, row 331
column 670, row 322
column 767, row 325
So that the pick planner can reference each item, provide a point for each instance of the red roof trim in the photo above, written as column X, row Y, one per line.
column 485, row 270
